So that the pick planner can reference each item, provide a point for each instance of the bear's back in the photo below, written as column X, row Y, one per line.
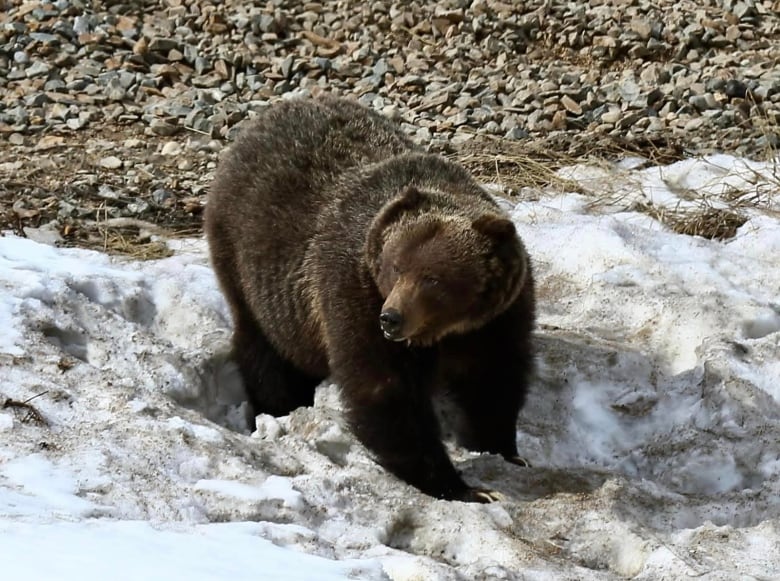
column 290, row 153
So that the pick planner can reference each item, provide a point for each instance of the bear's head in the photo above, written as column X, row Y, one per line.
column 442, row 267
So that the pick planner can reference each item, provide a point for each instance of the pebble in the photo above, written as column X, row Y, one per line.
column 612, row 116
column 171, row 148
column 571, row 105
column 110, row 162
column 123, row 59
column 163, row 127
column 698, row 74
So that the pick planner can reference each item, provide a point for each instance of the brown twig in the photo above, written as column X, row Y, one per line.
column 32, row 414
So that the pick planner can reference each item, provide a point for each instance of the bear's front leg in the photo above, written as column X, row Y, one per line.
column 488, row 380
column 387, row 398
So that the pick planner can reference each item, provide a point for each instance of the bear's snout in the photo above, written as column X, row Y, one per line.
column 391, row 321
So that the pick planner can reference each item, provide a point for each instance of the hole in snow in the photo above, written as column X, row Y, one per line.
column 74, row 343
column 762, row 326
column 401, row 532
column 132, row 304
column 213, row 388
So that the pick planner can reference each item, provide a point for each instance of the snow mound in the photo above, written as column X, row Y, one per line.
column 653, row 429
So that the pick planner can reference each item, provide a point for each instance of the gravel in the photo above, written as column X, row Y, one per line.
column 176, row 77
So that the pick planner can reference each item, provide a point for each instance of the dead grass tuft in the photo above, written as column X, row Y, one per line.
column 712, row 223
column 517, row 165
column 137, row 239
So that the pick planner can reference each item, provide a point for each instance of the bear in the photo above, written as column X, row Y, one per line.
column 345, row 251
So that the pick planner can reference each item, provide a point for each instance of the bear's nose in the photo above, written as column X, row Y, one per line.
column 391, row 321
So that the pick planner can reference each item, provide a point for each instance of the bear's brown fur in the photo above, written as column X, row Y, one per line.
column 343, row 250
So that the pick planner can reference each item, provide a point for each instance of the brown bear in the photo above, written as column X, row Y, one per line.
column 345, row 251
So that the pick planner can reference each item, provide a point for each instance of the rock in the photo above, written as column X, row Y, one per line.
column 694, row 124
column 735, row 89
column 161, row 197
column 50, row 142
column 110, row 162
column 693, row 75
column 37, row 69
column 612, row 116
column 559, row 120
column 571, row 105
column 516, row 133
column 642, row 27
column 171, row 148
column 160, row 44
column 164, row 128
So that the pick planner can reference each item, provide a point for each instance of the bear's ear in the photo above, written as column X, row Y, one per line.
column 408, row 199
column 497, row 227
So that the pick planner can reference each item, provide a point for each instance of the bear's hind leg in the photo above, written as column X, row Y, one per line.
column 273, row 385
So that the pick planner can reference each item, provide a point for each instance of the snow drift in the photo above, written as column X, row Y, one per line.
column 653, row 429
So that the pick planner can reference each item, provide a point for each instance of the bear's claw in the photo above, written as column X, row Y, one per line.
column 482, row 496
column 519, row 461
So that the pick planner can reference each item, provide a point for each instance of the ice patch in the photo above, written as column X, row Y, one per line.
column 36, row 486
column 132, row 550
column 274, row 487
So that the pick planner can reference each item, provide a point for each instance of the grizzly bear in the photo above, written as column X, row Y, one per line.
column 343, row 250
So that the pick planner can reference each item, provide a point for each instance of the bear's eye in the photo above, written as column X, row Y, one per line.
column 394, row 269
column 430, row 281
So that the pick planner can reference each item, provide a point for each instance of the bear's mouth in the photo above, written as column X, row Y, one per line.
column 391, row 337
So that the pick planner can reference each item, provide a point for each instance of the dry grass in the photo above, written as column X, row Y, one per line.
column 712, row 223
column 517, row 165
column 133, row 238
column 721, row 223
column 527, row 171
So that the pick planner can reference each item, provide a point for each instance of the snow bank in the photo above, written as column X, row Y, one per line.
column 653, row 429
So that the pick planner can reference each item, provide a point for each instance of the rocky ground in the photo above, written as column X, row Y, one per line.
column 112, row 113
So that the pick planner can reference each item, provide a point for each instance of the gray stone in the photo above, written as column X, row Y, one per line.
column 571, row 105
column 16, row 115
column 380, row 67
column 694, row 124
column 54, row 85
column 161, row 196
column 286, row 66
column 75, row 123
column 114, row 90
column 171, row 148
column 492, row 127
column 110, row 162
column 138, row 207
column 37, row 69
column 82, row 24
column 516, row 133
column 160, row 44
column 164, row 128
column 44, row 37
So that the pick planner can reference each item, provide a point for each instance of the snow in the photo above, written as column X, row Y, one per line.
column 653, row 429
column 132, row 550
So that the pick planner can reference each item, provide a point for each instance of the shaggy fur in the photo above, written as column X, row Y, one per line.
column 345, row 251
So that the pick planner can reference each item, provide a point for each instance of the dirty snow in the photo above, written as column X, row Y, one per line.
column 653, row 429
